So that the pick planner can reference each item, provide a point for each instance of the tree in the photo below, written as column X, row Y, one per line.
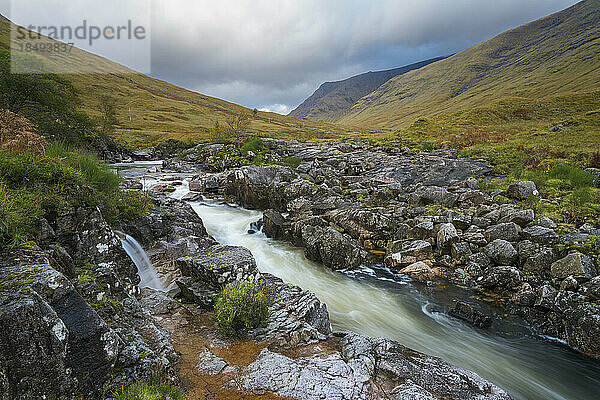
column 237, row 124
column 255, row 112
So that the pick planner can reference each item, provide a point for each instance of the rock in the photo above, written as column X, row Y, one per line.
column 308, row 378
column 423, row 231
column 501, row 252
column 569, row 284
column 392, row 364
column 258, row 187
column 219, row 265
column 525, row 296
column 540, row 261
column 255, row 227
column 461, row 252
column 503, row 277
column 446, row 237
column 591, row 288
column 433, row 195
column 539, row 234
column 53, row 342
column 508, row 231
column 407, row 252
column 196, row 292
column 468, row 312
column 331, row 247
column 546, row 297
column 577, row 265
column 520, row 217
column 410, row 391
column 522, row 190
column 545, row 222
column 275, row 225
column 192, row 196
column 364, row 224
column 297, row 316
column 209, row 364
column 419, row 271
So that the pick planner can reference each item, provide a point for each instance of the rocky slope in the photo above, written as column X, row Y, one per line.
column 424, row 215
column 334, row 99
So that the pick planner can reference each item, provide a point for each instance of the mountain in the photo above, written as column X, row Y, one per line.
column 150, row 110
column 334, row 99
column 554, row 55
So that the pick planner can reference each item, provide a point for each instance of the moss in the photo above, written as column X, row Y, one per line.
column 154, row 391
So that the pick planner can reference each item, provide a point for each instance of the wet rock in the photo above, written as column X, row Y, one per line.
column 331, row 247
column 569, row 284
column 192, row 196
column 258, row 187
column 407, row 252
column 219, row 265
column 525, row 296
column 577, row 265
column 209, row 364
column 501, row 277
column 522, row 190
column 255, row 227
column 501, row 252
column 419, row 271
column 470, row 313
column 546, row 296
column 275, row 225
column 539, row 234
column 540, row 261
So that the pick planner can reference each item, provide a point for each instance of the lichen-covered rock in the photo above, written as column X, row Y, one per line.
column 470, row 313
column 406, row 252
column 52, row 342
column 508, row 231
column 446, row 237
column 577, row 265
column 219, row 265
column 259, row 187
column 501, row 252
column 540, row 234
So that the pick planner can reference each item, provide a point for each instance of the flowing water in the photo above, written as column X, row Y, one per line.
column 148, row 276
column 370, row 303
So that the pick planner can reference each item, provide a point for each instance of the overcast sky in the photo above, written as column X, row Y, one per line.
column 273, row 54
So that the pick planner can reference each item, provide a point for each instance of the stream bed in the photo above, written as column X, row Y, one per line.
column 369, row 302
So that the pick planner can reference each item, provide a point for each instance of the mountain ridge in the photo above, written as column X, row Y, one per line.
column 552, row 55
column 333, row 99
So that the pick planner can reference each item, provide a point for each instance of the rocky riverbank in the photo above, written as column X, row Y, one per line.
column 74, row 322
column 424, row 216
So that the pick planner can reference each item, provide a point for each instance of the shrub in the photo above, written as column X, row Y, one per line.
column 292, row 162
column 242, row 306
column 254, row 145
column 141, row 391
column 428, row 146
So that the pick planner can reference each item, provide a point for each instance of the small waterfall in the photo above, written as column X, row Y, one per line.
column 148, row 276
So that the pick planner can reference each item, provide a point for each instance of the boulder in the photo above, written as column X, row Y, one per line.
column 219, row 265
column 461, row 252
column 419, row 271
column 446, row 237
column 406, row 252
column 577, row 265
column 539, row 234
column 520, row 217
column 522, row 190
column 258, row 187
column 501, row 252
column 508, row 231
column 501, row 277
column 274, row 224
column 591, row 288
column 423, row 231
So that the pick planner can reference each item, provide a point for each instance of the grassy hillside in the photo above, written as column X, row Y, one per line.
column 553, row 55
column 332, row 100
column 150, row 110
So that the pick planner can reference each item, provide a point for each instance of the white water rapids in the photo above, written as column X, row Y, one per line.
column 370, row 303
column 527, row 368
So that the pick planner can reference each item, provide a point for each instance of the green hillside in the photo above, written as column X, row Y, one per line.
column 556, row 54
column 332, row 100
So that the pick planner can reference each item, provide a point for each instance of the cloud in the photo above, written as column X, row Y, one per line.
column 263, row 53
column 276, row 108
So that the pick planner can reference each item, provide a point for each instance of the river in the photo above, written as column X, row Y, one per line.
column 370, row 303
